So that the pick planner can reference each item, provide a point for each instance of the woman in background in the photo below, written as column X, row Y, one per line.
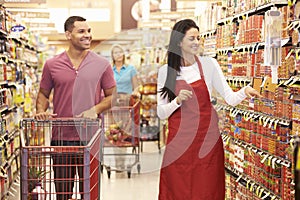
column 125, row 75
column 127, row 85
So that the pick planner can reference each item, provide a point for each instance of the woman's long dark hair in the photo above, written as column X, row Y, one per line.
column 174, row 56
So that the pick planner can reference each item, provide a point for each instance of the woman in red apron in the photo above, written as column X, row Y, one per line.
column 193, row 163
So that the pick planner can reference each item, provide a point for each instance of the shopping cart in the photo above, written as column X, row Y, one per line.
column 122, row 131
column 51, row 172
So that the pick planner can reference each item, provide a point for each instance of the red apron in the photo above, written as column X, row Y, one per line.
column 193, row 163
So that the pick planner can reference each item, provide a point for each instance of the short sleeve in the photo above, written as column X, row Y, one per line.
column 133, row 71
column 46, row 80
column 108, row 80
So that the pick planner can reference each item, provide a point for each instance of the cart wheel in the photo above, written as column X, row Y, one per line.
column 129, row 172
column 108, row 172
column 101, row 168
column 133, row 150
column 138, row 168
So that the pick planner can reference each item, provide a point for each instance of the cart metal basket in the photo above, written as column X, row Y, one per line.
column 122, row 131
column 65, row 170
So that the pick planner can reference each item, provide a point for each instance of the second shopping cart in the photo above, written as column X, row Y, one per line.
column 121, row 150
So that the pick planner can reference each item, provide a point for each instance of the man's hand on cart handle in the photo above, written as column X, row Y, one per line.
column 44, row 115
column 90, row 114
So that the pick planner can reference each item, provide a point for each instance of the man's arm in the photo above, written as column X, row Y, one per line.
column 42, row 104
column 106, row 103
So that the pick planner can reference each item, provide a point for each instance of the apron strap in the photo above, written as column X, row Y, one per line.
column 200, row 67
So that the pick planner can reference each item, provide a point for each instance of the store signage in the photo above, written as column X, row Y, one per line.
column 25, row 14
column 40, row 25
column 171, row 15
column 155, row 24
column 17, row 28
column 23, row 1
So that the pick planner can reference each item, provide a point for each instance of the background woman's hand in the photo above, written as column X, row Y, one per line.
column 251, row 92
column 183, row 96
column 136, row 92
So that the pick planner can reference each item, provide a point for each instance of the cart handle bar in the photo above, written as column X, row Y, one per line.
column 59, row 119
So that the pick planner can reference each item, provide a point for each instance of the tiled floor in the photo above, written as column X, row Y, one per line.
column 141, row 186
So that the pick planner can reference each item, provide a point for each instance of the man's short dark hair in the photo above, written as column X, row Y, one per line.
column 69, row 23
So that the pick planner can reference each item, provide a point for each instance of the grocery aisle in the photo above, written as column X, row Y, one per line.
column 119, row 186
column 143, row 186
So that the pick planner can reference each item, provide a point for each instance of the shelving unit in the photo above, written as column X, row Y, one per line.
column 18, row 63
column 150, row 123
column 259, row 134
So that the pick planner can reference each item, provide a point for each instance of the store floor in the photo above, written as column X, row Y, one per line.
column 142, row 186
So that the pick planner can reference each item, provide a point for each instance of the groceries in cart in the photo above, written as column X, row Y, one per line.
column 117, row 135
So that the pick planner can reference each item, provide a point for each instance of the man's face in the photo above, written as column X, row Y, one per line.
column 80, row 37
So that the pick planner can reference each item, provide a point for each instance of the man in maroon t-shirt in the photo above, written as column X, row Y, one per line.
column 78, row 78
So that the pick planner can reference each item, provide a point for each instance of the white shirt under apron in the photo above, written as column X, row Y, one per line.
column 214, row 79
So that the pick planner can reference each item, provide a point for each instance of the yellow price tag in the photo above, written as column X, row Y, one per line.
column 269, row 160
column 261, row 192
column 227, row 141
column 257, row 190
column 275, row 124
column 298, row 160
column 260, row 120
column 291, row 2
column 247, row 185
column 292, row 143
column 251, row 187
column 273, row 197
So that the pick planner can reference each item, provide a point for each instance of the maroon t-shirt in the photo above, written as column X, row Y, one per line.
column 75, row 91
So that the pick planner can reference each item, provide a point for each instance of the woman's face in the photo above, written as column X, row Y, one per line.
column 190, row 42
column 118, row 54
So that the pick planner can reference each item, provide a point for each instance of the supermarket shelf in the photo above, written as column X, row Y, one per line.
column 211, row 54
column 14, row 174
column 208, row 33
column 3, row 32
column 148, row 93
column 238, row 78
column 13, row 60
column 251, row 47
column 13, row 133
column 266, row 155
column 5, row 108
column 225, row 49
column 254, row 115
column 254, row 187
column 257, row 10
